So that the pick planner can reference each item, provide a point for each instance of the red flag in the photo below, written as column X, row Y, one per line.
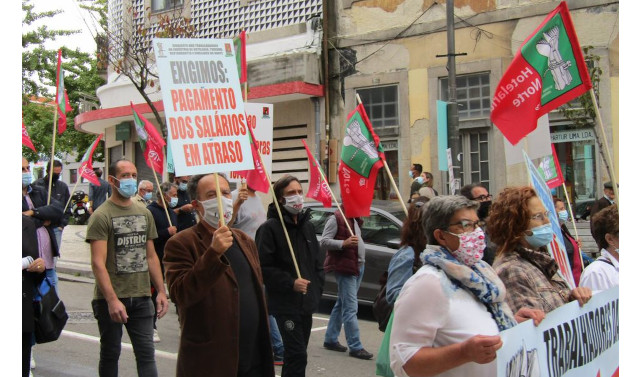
column 548, row 71
column 362, row 156
column 26, row 140
column 240, row 45
column 86, row 164
column 62, row 99
column 256, row 178
column 318, row 188
column 550, row 170
column 151, row 141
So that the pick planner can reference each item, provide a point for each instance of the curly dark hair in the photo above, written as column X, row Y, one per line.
column 603, row 222
column 412, row 233
column 509, row 217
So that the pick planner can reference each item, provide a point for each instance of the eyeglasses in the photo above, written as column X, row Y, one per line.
column 541, row 216
column 469, row 226
column 482, row 198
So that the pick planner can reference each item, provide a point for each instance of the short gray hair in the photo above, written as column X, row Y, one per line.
column 165, row 187
column 437, row 213
column 192, row 186
column 144, row 182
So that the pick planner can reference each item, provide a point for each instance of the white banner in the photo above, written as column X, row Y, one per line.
column 260, row 119
column 203, row 105
column 571, row 341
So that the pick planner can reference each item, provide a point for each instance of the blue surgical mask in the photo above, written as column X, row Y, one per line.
column 563, row 216
column 128, row 187
column 542, row 236
column 420, row 180
column 173, row 202
column 26, row 179
column 147, row 196
column 410, row 174
column 182, row 186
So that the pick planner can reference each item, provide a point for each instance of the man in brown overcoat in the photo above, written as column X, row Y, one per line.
column 214, row 277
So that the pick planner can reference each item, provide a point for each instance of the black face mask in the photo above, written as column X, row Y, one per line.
column 55, row 176
column 483, row 211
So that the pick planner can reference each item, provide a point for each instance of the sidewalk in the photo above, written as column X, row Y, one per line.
column 75, row 255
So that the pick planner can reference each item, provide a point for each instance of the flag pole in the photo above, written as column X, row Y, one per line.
column 284, row 227
column 607, row 154
column 74, row 189
column 53, row 147
column 386, row 167
column 219, row 198
column 324, row 179
column 573, row 221
column 166, row 211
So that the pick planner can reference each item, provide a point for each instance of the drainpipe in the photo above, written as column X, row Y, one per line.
column 316, row 111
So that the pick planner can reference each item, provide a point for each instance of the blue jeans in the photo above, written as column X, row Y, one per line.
column 140, row 329
column 276, row 339
column 345, row 311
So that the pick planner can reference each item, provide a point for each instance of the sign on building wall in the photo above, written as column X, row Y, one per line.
column 206, row 121
column 574, row 135
column 260, row 119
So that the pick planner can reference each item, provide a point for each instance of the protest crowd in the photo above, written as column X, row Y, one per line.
column 245, row 280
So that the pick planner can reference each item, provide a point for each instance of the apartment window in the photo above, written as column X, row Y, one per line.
column 472, row 92
column 164, row 5
column 381, row 104
column 73, row 175
column 475, row 158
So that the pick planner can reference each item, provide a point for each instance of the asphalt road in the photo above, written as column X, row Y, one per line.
column 76, row 353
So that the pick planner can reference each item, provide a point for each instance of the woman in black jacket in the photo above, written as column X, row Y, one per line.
column 32, row 275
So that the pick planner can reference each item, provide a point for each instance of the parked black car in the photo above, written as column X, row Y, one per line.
column 381, row 234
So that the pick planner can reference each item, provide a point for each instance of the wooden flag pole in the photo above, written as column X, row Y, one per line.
column 324, row 179
column 219, row 197
column 166, row 211
column 607, row 154
column 573, row 221
column 74, row 189
column 53, row 148
column 386, row 167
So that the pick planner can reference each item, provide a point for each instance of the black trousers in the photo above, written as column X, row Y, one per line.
column 26, row 353
column 295, row 330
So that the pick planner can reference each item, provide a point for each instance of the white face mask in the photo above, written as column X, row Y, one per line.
column 211, row 215
column 294, row 204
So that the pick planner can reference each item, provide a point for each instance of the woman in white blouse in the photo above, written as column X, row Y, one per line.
column 602, row 273
column 448, row 315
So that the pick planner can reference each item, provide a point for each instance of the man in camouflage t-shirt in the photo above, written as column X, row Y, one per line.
column 121, row 235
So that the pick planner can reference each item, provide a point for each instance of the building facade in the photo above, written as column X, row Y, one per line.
column 311, row 69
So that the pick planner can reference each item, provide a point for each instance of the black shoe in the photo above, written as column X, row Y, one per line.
column 361, row 354
column 335, row 347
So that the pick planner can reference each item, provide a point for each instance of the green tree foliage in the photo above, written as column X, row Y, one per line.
column 39, row 66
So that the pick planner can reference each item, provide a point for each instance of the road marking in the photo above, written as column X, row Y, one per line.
column 91, row 338
column 322, row 318
column 319, row 328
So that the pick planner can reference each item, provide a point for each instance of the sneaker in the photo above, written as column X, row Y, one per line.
column 156, row 337
column 361, row 354
column 33, row 362
column 335, row 347
column 278, row 360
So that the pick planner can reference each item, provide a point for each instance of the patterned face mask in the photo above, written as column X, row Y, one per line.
column 471, row 247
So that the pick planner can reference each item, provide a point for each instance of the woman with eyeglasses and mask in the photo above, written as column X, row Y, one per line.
column 572, row 245
column 449, row 313
column 521, row 229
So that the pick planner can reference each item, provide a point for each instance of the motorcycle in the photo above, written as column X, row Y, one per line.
column 80, row 207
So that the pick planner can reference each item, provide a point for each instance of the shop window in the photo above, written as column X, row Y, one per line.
column 73, row 175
